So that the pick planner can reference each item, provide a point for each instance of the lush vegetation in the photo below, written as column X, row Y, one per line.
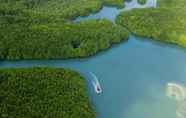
column 42, row 29
column 58, row 40
column 142, row 2
column 43, row 93
column 117, row 3
column 181, row 4
column 165, row 23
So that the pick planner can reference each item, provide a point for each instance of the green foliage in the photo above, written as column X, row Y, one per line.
column 172, row 3
column 43, row 93
column 118, row 3
column 164, row 23
column 42, row 29
column 58, row 40
column 142, row 2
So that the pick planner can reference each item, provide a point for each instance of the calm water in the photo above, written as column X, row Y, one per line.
column 112, row 12
column 133, row 76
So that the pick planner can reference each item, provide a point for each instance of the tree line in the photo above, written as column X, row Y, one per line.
column 58, row 40
column 43, row 93
column 165, row 23
column 42, row 29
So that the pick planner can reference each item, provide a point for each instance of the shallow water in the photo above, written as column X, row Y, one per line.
column 133, row 74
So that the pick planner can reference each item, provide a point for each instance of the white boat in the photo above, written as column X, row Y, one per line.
column 96, row 84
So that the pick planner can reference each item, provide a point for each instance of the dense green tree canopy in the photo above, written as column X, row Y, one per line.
column 43, row 93
column 58, row 40
column 165, row 23
column 42, row 29
column 142, row 2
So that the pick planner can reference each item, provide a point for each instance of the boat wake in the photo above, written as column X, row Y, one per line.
column 96, row 84
column 178, row 93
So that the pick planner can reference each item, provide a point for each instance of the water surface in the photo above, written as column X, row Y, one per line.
column 133, row 74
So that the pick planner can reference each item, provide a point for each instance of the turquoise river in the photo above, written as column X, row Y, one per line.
column 133, row 74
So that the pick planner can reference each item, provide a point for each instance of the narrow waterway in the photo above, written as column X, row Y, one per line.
column 133, row 75
column 112, row 12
